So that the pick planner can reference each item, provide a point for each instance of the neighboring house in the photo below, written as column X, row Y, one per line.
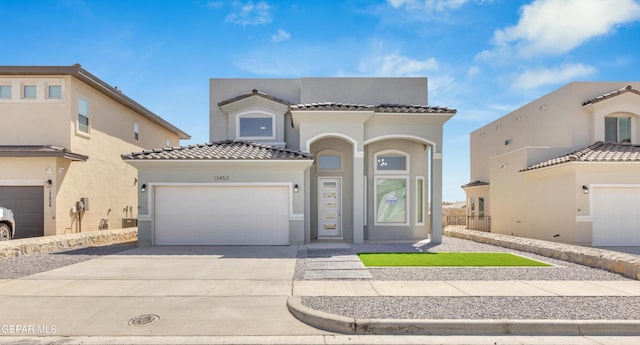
column 299, row 160
column 63, row 131
column 565, row 167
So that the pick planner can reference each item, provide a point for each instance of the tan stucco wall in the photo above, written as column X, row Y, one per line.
column 107, row 181
column 39, row 121
column 548, row 202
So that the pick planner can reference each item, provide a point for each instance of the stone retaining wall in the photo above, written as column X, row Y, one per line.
column 34, row 245
column 624, row 264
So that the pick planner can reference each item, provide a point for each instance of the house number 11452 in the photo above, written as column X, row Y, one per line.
column 221, row 178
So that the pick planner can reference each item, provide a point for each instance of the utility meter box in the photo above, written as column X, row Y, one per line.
column 85, row 202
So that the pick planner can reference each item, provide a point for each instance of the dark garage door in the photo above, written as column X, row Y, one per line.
column 27, row 204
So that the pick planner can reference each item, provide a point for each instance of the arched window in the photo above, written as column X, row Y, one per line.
column 391, row 187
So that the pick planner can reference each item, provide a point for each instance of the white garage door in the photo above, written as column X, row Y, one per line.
column 616, row 216
column 222, row 215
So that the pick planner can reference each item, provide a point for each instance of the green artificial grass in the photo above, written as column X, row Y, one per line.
column 447, row 259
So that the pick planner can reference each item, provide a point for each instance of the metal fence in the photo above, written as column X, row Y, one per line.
column 480, row 223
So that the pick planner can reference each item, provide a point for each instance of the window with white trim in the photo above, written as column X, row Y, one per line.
column 391, row 161
column 5, row 91
column 29, row 91
column 54, row 91
column 391, row 200
column 391, row 187
column 83, row 115
column 329, row 162
column 617, row 129
column 136, row 131
column 256, row 126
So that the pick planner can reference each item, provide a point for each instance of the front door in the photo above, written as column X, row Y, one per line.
column 329, row 207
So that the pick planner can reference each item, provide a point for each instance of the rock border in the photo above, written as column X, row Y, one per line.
column 627, row 265
column 46, row 244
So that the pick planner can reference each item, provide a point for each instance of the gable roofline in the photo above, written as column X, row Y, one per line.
column 83, row 75
column 612, row 94
column 597, row 152
column 254, row 92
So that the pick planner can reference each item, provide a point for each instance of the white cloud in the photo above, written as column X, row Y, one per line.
column 473, row 71
column 551, row 27
column 397, row 65
column 215, row 4
column 427, row 5
column 250, row 14
column 280, row 36
column 533, row 78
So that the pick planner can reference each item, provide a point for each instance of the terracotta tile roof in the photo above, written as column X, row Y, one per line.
column 598, row 152
column 625, row 89
column 40, row 151
column 220, row 150
column 400, row 108
column 382, row 108
column 253, row 92
column 475, row 184
column 332, row 106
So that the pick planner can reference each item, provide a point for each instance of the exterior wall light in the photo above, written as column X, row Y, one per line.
column 143, row 188
column 585, row 189
column 295, row 188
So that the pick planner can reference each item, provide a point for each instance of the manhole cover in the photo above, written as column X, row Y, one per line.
column 145, row 319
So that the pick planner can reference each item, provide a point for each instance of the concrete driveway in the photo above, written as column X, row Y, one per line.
column 159, row 291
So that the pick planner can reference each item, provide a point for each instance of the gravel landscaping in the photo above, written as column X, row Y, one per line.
column 501, row 308
column 561, row 308
column 26, row 265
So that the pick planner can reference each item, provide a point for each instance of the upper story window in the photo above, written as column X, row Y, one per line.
column 391, row 161
column 617, row 129
column 54, row 91
column 29, row 91
column 83, row 115
column 256, row 126
column 136, row 131
column 5, row 91
column 167, row 142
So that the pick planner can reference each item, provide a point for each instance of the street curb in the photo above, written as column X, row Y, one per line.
column 346, row 325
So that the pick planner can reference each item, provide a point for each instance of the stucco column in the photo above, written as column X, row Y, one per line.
column 436, row 197
column 358, row 197
column 307, row 205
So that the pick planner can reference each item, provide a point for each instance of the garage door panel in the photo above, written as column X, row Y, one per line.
column 616, row 217
column 220, row 215
column 27, row 205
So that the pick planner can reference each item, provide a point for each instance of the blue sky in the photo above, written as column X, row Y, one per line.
column 483, row 57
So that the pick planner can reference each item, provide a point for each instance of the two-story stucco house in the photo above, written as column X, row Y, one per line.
column 300, row 160
column 565, row 167
column 63, row 131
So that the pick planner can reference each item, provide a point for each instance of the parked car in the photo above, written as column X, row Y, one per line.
column 7, row 224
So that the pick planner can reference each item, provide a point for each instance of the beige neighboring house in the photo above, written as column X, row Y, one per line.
column 301, row 160
column 63, row 131
column 565, row 167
